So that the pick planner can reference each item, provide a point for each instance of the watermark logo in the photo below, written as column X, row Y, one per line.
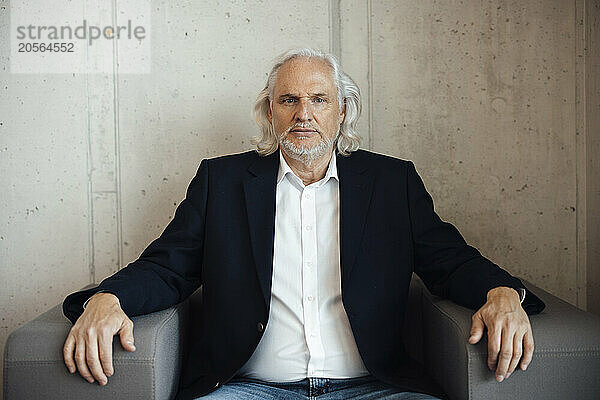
column 61, row 36
column 84, row 31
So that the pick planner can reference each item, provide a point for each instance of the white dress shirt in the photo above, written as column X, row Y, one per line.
column 308, row 333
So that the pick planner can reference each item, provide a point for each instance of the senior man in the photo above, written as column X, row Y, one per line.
column 305, row 249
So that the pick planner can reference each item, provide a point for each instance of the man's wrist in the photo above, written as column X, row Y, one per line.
column 96, row 295
column 505, row 290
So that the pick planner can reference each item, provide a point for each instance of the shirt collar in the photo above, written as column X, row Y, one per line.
column 285, row 169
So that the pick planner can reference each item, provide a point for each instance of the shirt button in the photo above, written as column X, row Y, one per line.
column 310, row 298
column 307, row 195
column 260, row 327
column 309, row 263
column 308, row 227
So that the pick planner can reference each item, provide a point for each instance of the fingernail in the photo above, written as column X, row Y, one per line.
column 524, row 367
column 507, row 375
column 499, row 378
column 102, row 382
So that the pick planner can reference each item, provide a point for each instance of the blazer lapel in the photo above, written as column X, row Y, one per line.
column 356, row 188
column 259, row 190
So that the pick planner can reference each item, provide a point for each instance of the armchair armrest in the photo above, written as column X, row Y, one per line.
column 34, row 366
column 566, row 361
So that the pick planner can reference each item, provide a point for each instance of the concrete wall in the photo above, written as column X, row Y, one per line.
column 492, row 102
column 590, row 122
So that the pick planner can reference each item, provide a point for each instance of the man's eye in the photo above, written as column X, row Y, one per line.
column 288, row 101
column 319, row 100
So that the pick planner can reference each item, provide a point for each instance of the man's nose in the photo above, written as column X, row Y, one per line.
column 304, row 110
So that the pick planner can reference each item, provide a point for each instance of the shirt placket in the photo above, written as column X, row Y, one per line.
column 310, row 304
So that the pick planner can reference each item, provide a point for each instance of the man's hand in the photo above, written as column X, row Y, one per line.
column 92, row 335
column 509, row 331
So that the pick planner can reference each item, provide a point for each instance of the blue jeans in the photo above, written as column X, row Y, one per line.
column 361, row 388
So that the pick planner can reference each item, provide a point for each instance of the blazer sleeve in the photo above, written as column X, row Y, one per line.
column 448, row 266
column 168, row 270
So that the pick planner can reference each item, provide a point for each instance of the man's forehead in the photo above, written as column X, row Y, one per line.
column 304, row 75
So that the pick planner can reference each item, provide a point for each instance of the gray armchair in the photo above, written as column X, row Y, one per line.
column 566, row 363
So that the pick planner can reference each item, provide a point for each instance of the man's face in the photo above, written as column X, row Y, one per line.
column 305, row 113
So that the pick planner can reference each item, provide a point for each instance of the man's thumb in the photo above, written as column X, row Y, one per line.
column 476, row 329
column 126, row 335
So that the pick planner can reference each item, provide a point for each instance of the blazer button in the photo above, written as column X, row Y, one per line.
column 260, row 327
column 217, row 384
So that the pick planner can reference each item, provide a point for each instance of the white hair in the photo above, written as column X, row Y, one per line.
column 348, row 93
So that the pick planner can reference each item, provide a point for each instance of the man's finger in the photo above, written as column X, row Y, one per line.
column 93, row 361
column 105, row 350
column 506, row 353
column 126, row 335
column 494, row 339
column 477, row 328
column 517, row 353
column 528, row 347
column 68, row 349
column 81, row 361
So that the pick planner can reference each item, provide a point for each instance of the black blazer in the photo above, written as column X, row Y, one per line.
column 221, row 237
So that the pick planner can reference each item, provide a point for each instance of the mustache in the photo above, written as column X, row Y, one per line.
column 305, row 125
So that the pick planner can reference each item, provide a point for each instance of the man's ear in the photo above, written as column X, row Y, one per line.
column 342, row 113
column 270, row 112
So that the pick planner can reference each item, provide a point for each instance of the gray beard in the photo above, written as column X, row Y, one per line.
column 301, row 153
